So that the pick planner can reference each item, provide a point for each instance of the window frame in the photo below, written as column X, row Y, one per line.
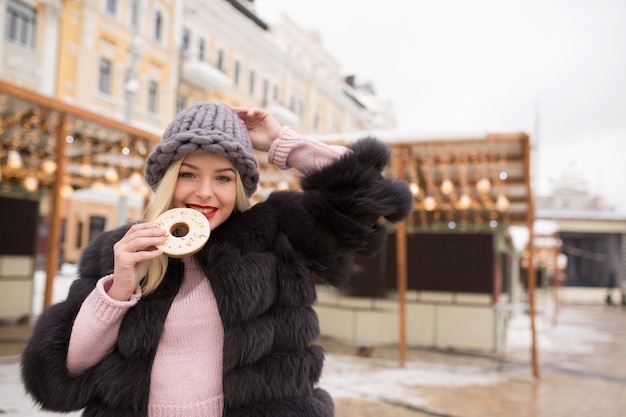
column 21, row 23
column 201, row 49
column 110, row 6
column 105, row 76
column 157, row 33
column 153, row 96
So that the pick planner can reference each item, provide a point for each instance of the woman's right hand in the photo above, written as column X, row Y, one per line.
column 132, row 255
column 263, row 128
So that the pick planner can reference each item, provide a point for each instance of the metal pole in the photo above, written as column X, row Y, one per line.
column 401, row 267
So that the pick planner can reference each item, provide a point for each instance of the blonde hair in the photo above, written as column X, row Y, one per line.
column 161, row 202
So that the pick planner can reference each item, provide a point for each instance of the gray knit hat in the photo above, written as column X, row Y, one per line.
column 205, row 127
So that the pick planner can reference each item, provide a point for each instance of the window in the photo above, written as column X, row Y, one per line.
column 201, row 49
column 152, row 96
column 220, row 60
column 79, row 235
column 21, row 23
column 97, row 225
column 105, row 79
column 266, row 88
column 134, row 13
column 251, row 90
column 186, row 38
column 158, row 26
column 301, row 109
column 276, row 94
column 181, row 103
column 111, row 6
column 292, row 103
column 237, row 73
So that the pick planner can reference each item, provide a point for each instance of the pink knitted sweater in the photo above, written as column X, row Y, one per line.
column 186, row 375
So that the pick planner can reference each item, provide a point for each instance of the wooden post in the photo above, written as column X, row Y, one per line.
column 54, row 231
column 556, row 276
column 401, row 266
column 530, row 224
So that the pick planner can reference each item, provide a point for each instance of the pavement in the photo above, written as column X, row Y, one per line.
column 582, row 373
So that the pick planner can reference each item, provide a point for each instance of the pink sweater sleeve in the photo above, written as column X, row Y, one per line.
column 290, row 150
column 96, row 327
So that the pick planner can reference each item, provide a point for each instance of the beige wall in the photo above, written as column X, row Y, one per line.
column 16, row 285
column 442, row 320
column 77, row 212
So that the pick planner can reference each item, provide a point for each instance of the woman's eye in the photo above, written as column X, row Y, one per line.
column 223, row 178
column 186, row 175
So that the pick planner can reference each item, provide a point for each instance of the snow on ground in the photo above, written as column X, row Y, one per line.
column 375, row 379
column 570, row 334
column 13, row 399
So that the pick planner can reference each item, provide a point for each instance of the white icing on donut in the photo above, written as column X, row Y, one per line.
column 187, row 231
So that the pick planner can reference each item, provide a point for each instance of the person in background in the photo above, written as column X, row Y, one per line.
column 229, row 331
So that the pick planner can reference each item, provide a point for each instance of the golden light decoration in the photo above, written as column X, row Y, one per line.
column 66, row 190
column 98, row 186
column 430, row 203
column 86, row 170
column 111, row 175
column 415, row 189
column 136, row 179
column 14, row 160
column 49, row 167
column 502, row 203
column 465, row 201
column 447, row 187
column 31, row 184
column 483, row 186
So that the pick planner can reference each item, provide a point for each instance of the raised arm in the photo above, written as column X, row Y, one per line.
column 338, row 214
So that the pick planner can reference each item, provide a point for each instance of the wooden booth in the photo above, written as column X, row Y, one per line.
column 448, row 275
column 49, row 149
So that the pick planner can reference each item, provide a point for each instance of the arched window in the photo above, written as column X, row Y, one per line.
column 158, row 26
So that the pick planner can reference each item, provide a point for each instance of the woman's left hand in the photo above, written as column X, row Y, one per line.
column 262, row 127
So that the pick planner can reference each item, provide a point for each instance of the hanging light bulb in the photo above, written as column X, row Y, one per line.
column 86, row 170
column 97, row 186
column 136, row 179
column 430, row 203
column 66, row 190
column 31, row 184
column 447, row 187
column 144, row 190
column 48, row 167
column 483, row 186
column 14, row 160
column 464, row 201
column 111, row 175
column 502, row 203
column 415, row 189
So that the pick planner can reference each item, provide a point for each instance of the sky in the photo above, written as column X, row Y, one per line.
column 555, row 69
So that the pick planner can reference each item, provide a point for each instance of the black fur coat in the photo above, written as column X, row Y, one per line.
column 261, row 265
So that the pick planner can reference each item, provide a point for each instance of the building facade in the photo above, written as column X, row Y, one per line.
column 142, row 61
column 592, row 234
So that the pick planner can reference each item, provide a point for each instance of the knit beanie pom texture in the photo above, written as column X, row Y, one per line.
column 205, row 127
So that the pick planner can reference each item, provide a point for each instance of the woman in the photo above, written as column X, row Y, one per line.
column 230, row 330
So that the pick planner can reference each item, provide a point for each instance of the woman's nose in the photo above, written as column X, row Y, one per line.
column 204, row 189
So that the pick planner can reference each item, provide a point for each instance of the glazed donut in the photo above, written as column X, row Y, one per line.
column 187, row 231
